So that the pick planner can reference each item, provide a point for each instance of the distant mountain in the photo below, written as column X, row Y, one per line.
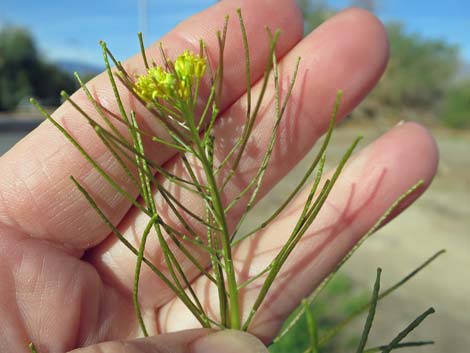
column 82, row 68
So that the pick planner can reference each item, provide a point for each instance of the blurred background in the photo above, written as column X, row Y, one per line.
column 428, row 79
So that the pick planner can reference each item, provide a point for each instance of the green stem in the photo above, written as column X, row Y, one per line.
column 219, row 217
column 140, row 258
column 247, row 130
column 301, row 227
column 172, row 263
column 323, row 284
column 400, row 345
column 85, row 154
column 312, row 328
column 306, row 176
column 218, row 271
column 32, row 348
column 328, row 335
column 135, row 251
column 371, row 315
column 142, row 50
column 226, row 247
column 407, row 330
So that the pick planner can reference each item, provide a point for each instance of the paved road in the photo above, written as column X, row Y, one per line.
column 12, row 130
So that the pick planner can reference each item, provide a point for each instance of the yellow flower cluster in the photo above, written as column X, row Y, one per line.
column 157, row 83
column 177, row 84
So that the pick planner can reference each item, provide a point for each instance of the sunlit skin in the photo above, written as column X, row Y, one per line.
column 66, row 282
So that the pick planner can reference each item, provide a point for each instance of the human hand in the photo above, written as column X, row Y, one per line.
column 67, row 283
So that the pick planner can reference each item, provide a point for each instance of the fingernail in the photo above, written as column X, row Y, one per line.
column 228, row 341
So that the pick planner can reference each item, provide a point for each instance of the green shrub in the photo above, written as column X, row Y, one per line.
column 23, row 73
column 340, row 299
column 456, row 106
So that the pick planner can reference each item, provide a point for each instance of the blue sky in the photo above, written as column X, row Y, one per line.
column 72, row 29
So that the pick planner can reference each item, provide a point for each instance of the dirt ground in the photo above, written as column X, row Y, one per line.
column 438, row 220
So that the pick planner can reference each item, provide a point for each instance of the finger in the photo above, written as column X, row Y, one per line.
column 367, row 187
column 36, row 195
column 192, row 341
column 350, row 52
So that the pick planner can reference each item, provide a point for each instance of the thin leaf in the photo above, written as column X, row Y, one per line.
column 32, row 348
column 246, row 49
column 328, row 335
column 142, row 50
column 400, row 345
column 371, row 315
column 407, row 330
column 323, row 284
column 113, row 82
column 85, row 154
column 306, row 176
column 135, row 291
column 247, row 130
column 311, row 327
column 301, row 227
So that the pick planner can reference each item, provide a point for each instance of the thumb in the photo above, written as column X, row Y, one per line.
column 191, row 341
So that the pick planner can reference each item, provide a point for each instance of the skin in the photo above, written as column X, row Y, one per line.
column 66, row 281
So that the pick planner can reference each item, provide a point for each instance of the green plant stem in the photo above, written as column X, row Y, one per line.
column 407, row 330
column 169, row 257
column 100, row 132
column 371, row 315
column 328, row 335
column 246, row 133
column 400, row 345
column 213, row 242
column 323, row 284
column 142, row 50
column 140, row 257
column 218, row 272
column 97, row 107
column 225, row 240
column 412, row 274
column 113, row 82
column 122, row 145
column 259, row 177
column 85, row 154
column 135, row 251
column 301, row 227
column 172, row 263
column 173, row 234
column 246, row 49
column 219, row 79
column 312, row 328
column 255, row 277
column 306, row 176
column 32, row 348
column 241, row 142
column 207, row 107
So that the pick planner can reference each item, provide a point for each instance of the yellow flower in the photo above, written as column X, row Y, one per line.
column 184, row 90
column 189, row 66
column 158, row 83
